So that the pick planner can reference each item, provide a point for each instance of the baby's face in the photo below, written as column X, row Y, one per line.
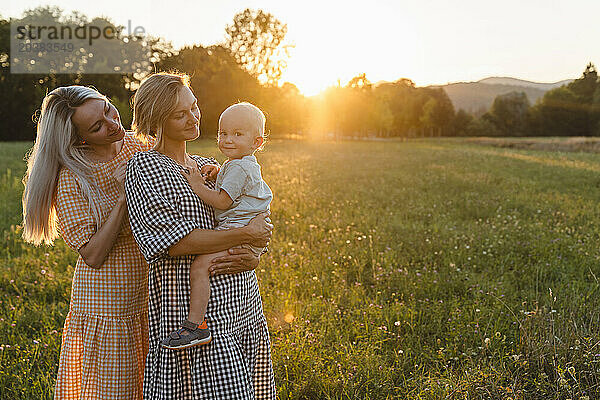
column 238, row 133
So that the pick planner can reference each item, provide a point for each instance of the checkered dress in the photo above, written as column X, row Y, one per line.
column 104, row 341
column 237, row 363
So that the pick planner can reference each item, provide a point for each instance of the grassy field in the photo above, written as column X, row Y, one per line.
column 563, row 144
column 398, row 270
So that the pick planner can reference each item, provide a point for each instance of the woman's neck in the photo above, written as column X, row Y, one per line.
column 174, row 149
column 106, row 152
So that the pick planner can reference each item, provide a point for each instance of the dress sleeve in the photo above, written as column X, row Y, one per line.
column 149, row 144
column 75, row 220
column 144, row 142
column 155, row 221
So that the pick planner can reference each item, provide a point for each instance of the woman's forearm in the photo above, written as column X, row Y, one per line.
column 205, row 241
column 95, row 251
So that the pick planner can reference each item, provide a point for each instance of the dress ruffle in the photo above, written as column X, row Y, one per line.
column 102, row 358
column 234, row 365
column 105, row 337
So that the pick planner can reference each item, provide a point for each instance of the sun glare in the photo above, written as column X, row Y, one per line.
column 312, row 77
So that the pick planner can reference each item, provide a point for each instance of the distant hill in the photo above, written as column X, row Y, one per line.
column 520, row 82
column 477, row 97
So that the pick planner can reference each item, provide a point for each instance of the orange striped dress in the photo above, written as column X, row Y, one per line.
column 105, row 337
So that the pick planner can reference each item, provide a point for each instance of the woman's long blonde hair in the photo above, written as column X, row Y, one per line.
column 153, row 102
column 57, row 145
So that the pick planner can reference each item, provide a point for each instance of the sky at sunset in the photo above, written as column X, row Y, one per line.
column 428, row 41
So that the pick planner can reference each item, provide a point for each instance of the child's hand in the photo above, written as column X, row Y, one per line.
column 209, row 171
column 194, row 178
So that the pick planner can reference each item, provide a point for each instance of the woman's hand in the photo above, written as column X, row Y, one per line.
column 119, row 176
column 209, row 171
column 238, row 260
column 259, row 230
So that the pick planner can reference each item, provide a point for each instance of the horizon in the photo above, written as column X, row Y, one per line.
column 488, row 77
column 432, row 44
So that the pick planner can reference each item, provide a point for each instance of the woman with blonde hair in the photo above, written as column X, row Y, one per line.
column 171, row 225
column 75, row 184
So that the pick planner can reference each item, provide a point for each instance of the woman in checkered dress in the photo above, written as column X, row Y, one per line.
column 171, row 224
column 75, row 182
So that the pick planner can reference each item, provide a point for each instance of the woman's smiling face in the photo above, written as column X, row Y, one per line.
column 98, row 122
column 183, row 124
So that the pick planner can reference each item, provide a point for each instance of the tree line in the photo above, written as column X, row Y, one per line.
column 248, row 66
column 570, row 110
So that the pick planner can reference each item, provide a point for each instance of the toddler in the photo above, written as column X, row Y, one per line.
column 240, row 194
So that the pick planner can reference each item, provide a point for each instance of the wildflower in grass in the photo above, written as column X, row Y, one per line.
column 289, row 317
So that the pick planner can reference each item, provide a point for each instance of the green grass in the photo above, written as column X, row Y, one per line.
column 417, row 270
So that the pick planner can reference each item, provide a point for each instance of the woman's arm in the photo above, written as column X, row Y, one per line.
column 161, row 230
column 204, row 241
column 238, row 260
column 95, row 251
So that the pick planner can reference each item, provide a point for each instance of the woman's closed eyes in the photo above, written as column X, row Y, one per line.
column 98, row 125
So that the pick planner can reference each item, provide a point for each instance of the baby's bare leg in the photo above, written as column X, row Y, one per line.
column 200, row 286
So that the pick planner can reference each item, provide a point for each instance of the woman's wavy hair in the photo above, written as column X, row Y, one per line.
column 153, row 102
column 57, row 145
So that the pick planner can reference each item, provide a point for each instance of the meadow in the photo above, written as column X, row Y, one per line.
column 589, row 144
column 398, row 270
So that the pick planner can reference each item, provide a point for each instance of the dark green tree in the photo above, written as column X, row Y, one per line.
column 461, row 122
column 570, row 110
column 509, row 113
column 23, row 93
